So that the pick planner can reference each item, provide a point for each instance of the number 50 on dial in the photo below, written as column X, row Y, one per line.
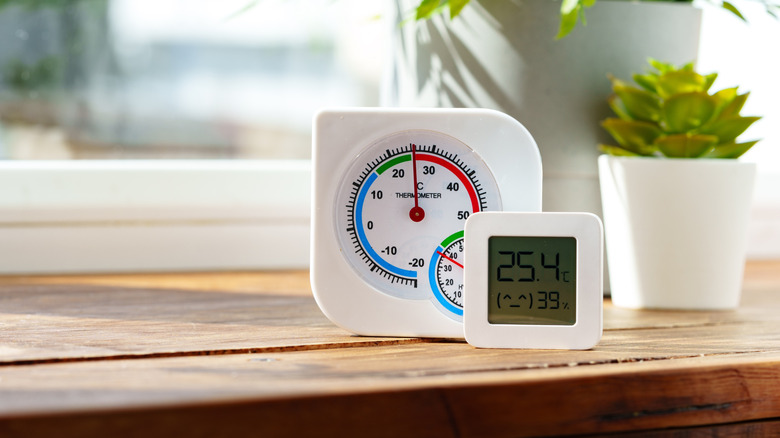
column 392, row 190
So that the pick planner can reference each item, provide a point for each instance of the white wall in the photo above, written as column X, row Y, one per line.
column 748, row 55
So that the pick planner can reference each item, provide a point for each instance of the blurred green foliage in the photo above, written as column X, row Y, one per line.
column 572, row 11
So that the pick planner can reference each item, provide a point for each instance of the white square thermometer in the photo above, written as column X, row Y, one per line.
column 392, row 191
column 533, row 280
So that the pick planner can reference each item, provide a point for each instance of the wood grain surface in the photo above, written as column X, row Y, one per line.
column 229, row 354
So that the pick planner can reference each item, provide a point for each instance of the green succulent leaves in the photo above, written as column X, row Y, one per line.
column 688, row 111
column 671, row 113
column 686, row 145
column 633, row 103
column 635, row 136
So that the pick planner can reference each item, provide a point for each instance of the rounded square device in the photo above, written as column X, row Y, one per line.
column 392, row 190
column 533, row 280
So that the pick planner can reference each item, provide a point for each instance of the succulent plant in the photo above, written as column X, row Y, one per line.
column 673, row 114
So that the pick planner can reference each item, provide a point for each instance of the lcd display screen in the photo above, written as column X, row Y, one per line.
column 532, row 280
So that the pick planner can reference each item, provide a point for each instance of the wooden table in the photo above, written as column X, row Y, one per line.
column 250, row 354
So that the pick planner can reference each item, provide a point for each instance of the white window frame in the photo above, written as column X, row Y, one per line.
column 173, row 215
column 146, row 216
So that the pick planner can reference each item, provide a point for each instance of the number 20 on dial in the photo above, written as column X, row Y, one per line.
column 392, row 192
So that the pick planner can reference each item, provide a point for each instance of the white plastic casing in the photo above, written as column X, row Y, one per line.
column 339, row 135
column 586, row 228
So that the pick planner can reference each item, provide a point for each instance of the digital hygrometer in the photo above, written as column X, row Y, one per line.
column 533, row 280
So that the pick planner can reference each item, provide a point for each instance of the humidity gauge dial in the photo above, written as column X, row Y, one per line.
column 392, row 190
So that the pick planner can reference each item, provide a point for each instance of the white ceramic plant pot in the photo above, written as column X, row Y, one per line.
column 676, row 230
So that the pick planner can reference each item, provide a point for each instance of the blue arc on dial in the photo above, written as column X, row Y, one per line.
column 362, row 233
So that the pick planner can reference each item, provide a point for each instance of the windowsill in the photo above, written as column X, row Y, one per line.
column 175, row 215
column 127, row 216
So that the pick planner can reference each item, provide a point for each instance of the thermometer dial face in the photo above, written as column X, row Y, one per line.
column 400, row 200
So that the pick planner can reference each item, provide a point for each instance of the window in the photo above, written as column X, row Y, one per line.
column 105, row 79
column 219, row 94
column 207, row 105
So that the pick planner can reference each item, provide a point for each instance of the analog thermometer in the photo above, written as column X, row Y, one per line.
column 392, row 191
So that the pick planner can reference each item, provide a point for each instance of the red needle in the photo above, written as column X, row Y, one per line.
column 416, row 213
column 445, row 256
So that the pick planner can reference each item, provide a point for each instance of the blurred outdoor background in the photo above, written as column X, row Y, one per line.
column 130, row 79
column 108, row 79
